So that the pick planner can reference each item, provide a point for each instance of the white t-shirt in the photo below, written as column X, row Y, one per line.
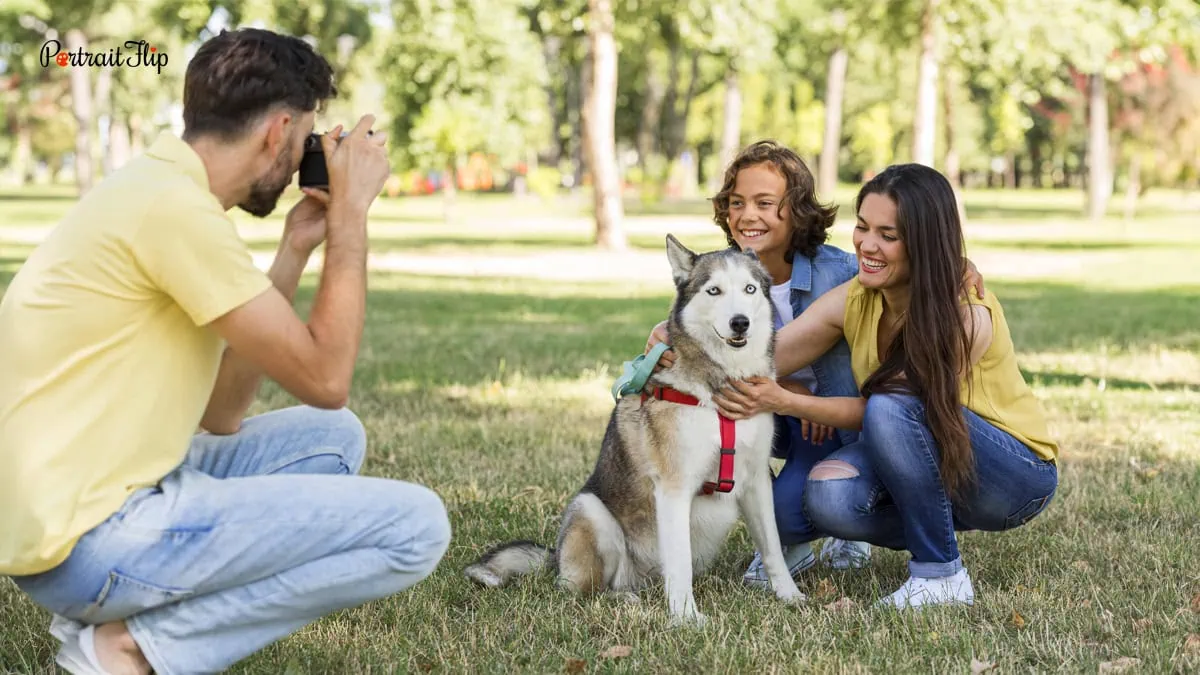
column 781, row 296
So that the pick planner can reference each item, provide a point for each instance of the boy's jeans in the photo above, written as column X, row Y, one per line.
column 897, row 499
column 788, row 487
column 254, row 536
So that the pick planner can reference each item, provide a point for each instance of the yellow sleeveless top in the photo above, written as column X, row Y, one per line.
column 998, row 393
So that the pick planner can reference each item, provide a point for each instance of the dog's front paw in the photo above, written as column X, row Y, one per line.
column 690, row 620
column 792, row 596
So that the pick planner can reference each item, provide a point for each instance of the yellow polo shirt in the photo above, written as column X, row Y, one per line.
column 997, row 391
column 106, row 357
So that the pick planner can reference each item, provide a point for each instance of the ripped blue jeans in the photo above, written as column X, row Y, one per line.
column 254, row 536
column 897, row 499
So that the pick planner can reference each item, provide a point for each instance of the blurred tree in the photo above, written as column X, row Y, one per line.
column 463, row 76
column 1156, row 110
column 599, row 110
column 24, row 85
column 559, row 26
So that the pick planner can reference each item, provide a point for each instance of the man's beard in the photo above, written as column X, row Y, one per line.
column 265, row 192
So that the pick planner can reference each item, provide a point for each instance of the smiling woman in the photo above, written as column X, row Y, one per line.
column 952, row 438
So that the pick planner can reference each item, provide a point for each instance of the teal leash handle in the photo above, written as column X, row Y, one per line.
column 635, row 373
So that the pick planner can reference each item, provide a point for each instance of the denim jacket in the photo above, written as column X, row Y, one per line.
column 812, row 278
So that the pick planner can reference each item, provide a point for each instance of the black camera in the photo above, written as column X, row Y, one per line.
column 313, row 172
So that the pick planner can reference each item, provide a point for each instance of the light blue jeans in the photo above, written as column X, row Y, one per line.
column 254, row 536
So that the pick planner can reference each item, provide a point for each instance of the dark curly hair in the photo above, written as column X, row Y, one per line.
column 811, row 220
column 239, row 75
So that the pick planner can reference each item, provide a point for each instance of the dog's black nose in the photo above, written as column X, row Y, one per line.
column 740, row 323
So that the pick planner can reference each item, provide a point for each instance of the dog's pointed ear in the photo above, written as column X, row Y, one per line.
column 752, row 253
column 681, row 259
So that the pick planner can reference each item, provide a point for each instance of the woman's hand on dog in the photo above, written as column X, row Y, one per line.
column 659, row 334
column 746, row 398
column 741, row 399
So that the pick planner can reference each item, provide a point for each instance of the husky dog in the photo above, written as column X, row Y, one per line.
column 648, row 508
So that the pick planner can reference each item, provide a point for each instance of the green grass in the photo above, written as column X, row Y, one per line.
column 493, row 390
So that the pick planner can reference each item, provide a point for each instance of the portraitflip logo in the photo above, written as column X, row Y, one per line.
column 139, row 55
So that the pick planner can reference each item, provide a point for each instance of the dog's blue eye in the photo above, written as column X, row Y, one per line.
column 714, row 291
column 750, row 289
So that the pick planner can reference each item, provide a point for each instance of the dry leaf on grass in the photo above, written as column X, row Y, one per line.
column 1017, row 620
column 1141, row 625
column 1081, row 565
column 1191, row 644
column 843, row 605
column 574, row 665
column 616, row 652
column 1120, row 665
column 978, row 666
column 825, row 589
column 1196, row 603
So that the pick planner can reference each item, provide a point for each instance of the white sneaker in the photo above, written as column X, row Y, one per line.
column 918, row 592
column 798, row 557
column 844, row 555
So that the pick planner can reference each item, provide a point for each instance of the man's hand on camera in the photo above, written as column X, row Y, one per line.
column 304, row 229
column 358, row 163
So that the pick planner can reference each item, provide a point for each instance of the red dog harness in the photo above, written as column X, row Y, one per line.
column 728, row 437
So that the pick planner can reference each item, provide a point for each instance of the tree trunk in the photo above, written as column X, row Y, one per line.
column 118, row 143
column 136, row 141
column 81, row 105
column 599, row 120
column 1035, row 158
column 953, row 169
column 104, row 109
column 835, row 88
column 925, row 119
column 648, row 125
column 449, row 188
column 22, row 161
column 670, row 107
column 1099, row 167
column 551, row 50
column 1134, row 188
column 577, row 84
column 1010, row 170
column 731, row 128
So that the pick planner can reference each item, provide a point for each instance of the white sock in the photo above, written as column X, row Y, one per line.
column 78, row 654
column 87, row 645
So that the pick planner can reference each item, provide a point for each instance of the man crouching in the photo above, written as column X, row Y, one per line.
column 142, row 318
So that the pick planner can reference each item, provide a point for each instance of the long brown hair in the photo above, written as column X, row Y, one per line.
column 931, row 347
column 811, row 220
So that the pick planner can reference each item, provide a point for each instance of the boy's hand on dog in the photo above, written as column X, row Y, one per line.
column 659, row 334
column 972, row 278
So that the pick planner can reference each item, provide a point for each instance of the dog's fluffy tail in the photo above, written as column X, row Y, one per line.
column 506, row 562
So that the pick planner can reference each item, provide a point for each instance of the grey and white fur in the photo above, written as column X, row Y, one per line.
column 639, row 515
